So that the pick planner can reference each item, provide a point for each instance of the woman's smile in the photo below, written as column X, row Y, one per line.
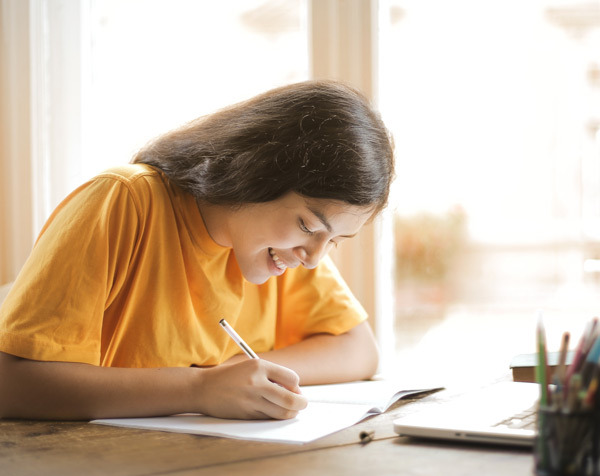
column 283, row 233
column 280, row 264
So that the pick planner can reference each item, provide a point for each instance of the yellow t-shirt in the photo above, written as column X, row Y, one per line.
column 124, row 274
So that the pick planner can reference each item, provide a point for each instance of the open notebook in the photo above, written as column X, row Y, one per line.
column 503, row 413
column 330, row 409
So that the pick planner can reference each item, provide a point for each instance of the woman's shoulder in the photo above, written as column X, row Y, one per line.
column 138, row 184
column 139, row 179
column 130, row 172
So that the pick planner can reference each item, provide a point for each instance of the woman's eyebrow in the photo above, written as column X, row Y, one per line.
column 323, row 219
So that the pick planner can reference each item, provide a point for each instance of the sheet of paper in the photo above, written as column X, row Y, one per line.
column 331, row 408
column 316, row 421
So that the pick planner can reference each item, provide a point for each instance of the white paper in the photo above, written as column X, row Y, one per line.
column 378, row 395
column 331, row 408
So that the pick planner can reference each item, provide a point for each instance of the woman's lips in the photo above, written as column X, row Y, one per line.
column 278, row 263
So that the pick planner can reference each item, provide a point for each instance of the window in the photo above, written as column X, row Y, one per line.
column 495, row 108
column 182, row 59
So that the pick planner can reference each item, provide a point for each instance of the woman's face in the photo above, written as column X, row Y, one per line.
column 267, row 238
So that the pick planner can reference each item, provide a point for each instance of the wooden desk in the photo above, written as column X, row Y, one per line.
column 77, row 448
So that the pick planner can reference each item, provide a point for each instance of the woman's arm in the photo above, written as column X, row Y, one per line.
column 326, row 358
column 74, row 391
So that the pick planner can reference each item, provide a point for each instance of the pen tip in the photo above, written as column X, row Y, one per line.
column 539, row 313
column 539, row 317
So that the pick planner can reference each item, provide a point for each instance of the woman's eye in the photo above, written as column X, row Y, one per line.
column 305, row 229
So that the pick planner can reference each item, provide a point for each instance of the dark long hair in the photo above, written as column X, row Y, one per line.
column 320, row 139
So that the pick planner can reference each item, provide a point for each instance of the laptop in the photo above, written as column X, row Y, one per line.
column 503, row 413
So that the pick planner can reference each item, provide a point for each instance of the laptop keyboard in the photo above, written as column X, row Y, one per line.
column 522, row 420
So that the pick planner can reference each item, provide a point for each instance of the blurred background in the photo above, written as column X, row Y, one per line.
column 494, row 107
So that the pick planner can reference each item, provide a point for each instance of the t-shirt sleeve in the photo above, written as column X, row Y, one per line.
column 56, row 305
column 315, row 301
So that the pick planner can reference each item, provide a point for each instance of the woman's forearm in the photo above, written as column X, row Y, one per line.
column 254, row 388
column 325, row 358
column 61, row 390
column 75, row 391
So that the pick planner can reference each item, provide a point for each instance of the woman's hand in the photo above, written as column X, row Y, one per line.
column 75, row 391
column 251, row 389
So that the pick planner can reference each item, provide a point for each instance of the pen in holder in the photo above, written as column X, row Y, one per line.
column 568, row 417
column 567, row 442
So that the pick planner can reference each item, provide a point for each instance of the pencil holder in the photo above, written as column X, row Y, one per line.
column 567, row 443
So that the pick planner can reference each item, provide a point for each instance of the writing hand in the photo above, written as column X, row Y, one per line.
column 252, row 389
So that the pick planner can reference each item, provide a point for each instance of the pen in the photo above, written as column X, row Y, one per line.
column 237, row 339
column 366, row 436
column 574, row 367
column 541, row 368
column 562, row 367
column 588, row 367
column 560, row 376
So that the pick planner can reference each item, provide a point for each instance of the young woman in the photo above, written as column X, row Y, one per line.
column 116, row 312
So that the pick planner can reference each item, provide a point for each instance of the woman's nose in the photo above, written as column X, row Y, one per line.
column 310, row 255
